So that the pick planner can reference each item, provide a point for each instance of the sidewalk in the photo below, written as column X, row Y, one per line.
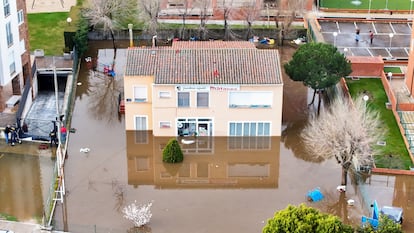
column 43, row 6
column 18, row 227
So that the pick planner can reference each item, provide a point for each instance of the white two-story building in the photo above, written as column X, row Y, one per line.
column 204, row 88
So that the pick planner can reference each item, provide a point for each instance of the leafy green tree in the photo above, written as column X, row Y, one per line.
column 81, row 36
column 386, row 225
column 318, row 66
column 172, row 152
column 303, row 219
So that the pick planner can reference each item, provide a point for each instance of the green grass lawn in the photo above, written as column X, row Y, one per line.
column 392, row 69
column 375, row 4
column 395, row 154
column 46, row 32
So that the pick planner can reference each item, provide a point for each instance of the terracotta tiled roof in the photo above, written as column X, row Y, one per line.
column 211, row 65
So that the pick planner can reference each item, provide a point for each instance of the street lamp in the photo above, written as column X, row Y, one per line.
column 411, row 6
column 335, row 34
column 391, row 35
column 365, row 98
column 386, row 5
column 69, row 20
column 131, row 43
column 345, row 51
column 390, row 76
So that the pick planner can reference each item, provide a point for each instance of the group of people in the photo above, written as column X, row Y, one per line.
column 357, row 37
column 11, row 135
column 53, row 134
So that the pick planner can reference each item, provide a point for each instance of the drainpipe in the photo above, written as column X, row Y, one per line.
column 153, row 40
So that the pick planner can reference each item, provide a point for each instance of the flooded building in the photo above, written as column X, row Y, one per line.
column 204, row 88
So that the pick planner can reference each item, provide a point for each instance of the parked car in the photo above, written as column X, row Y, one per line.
column 394, row 213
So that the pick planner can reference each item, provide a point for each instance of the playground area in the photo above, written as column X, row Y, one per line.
column 391, row 39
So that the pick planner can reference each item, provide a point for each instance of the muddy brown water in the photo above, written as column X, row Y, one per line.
column 224, row 184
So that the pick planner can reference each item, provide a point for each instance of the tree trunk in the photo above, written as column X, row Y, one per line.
column 319, row 101
column 344, row 180
column 313, row 98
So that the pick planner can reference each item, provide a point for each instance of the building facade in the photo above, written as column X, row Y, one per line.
column 15, row 63
column 204, row 88
column 237, row 8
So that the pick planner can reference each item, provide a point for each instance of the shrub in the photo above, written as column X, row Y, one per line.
column 172, row 152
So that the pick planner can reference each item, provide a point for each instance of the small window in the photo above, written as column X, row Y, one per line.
column 6, row 8
column 164, row 94
column 140, row 94
column 9, row 34
column 20, row 17
column 183, row 99
column 165, row 124
column 202, row 99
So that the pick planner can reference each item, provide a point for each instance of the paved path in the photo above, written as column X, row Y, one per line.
column 40, row 6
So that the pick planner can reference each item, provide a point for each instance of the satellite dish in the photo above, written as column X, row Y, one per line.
column 179, row 125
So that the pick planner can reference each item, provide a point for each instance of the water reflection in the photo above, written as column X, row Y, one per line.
column 24, row 182
column 209, row 162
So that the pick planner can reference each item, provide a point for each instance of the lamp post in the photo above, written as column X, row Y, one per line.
column 386, row 5
column 345, row 51
column 411, row 6
column 335, row 34
column 131, row 43
column 390, row 76
column 391, row 35
column 365, row 98
column 69, row 20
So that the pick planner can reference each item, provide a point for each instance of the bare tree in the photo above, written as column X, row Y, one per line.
column 103, row 13
column 348, row 132
column 251, row 13
column 150, row 10
column 204, row 6
column 227, row 6
column 288, row 16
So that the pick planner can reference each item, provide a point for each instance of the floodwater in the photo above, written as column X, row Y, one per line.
column 25, row 179
column 223, row 185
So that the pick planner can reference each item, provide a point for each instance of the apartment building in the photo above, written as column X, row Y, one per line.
column 15, row 64
column 204, row 88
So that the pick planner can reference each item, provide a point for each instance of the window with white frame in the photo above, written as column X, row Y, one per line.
column 140, row 94
column 202, row 99
column 141, row 132
column 249, row 129
column 141, row 122
column 183, row 99
column 9, row 34
column 164, row 94
column 20, row 17
column 165, row 124
column 250, row 99
column 12, row 65
column 6, row 7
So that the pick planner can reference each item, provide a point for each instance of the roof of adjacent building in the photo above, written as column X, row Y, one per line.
column 206, row 62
